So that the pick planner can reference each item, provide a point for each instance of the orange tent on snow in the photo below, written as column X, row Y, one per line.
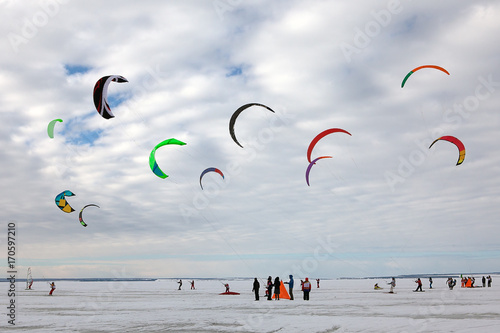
column 283, row 292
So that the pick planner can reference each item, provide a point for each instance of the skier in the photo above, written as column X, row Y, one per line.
column 484, row 281
column 430, row 283
column 419, row 285
column 53, row 287
column 192, row 285
column 180, row 284
column 392, row 284
column 317, row 283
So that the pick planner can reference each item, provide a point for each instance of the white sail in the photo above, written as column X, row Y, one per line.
column 29, row 279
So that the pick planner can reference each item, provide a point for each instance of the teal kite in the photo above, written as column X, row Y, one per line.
column 62, row 203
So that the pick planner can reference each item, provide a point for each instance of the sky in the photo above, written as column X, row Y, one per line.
column 383, row 204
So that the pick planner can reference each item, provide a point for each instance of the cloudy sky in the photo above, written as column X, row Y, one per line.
column 384, row 204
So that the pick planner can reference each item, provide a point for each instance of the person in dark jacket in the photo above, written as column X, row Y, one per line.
column 484, row 281
column 277, row 287
column 269, row 288
column 290, row 286
column 256, row 286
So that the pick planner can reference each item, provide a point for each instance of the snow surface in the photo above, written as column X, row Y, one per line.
column 337, row 306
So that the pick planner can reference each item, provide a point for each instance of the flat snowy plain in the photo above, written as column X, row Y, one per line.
column 337, row 306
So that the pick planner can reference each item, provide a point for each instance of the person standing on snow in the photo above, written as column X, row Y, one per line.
column 290, row 286
column 180, row 284
column 277, row 288
column 269, row 288
column 430, row 283
column 306, row 288
column 256, row 286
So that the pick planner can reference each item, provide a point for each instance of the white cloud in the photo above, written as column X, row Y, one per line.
column 189, row 68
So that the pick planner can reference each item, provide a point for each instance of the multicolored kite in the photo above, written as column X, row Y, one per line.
column 418, row 68
column 62, row 203
column 152, row 161
column 101, row 94
column 237, row 113
column 50, row 127
column 210, row 170
column 319, row 137
column 310, row 166
column 80, row 217
column 458, row 143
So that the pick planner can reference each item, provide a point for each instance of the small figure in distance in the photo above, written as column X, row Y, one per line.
column 269, row 288
column 277, row 288
column 290, row 286
column 306, row 288
column 256, row 286
column 393, row 285
column 52, row 288
column 419, row 285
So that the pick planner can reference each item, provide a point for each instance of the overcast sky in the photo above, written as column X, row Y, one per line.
column 384, row 204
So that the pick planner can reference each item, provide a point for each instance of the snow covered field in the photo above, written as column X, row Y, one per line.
column 337, row 306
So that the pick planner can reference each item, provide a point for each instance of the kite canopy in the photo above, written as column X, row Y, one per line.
column 319, row 137
column 50, row 127
column 237, row 113
column 457, row 142
column 80, row 217
column 210, row 170
column 152, row 160
column 101, row 94
column 62, row 203
column 419, row 68
column 310, row 166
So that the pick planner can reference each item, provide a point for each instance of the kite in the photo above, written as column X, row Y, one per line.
column 101, row 93
column 319, row 137
column 418, row 68
column 50, row 127
column 152, row 161
column 458, row 143
column 62, row 203
column 237, row 113
column 310, row 166
column 81, row 213
column 208, row 170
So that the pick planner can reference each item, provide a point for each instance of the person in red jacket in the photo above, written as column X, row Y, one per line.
column 419, row 285
column 52, row 288
column 306, row 288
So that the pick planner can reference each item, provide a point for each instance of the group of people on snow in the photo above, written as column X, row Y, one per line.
column 276, row 284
